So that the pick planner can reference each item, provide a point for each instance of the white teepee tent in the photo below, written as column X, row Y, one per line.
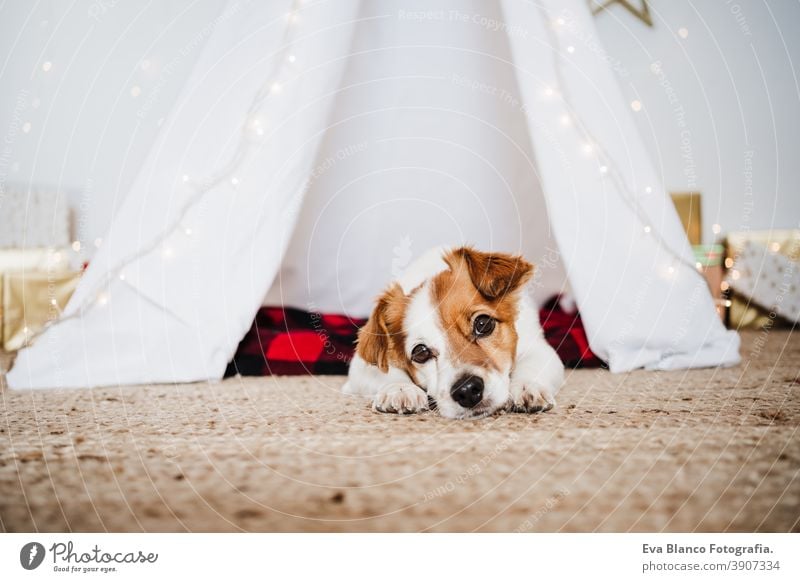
column 318, row 146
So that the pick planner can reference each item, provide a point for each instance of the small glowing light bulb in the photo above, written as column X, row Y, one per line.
column 136, row 91
column 699, row 266
column 185, row 178
column 76, row 246
column 648, row 189
column 565, row 119
column 636, row 105
column 26, row 127
column 276, row 88
column 291, row 58
column 102, row 299
column 724, row 286
column 683, row 32
column 603, row 169
column 716, row 228
column 647, row 229
column 570, row 49
column 98, row 242
column 122, row 276
column 728, row 262
column 235, row 181
column 188, row 231
column 46, row 66
column 587, row 148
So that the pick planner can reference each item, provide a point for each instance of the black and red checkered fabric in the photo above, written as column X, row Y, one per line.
column 293, row 342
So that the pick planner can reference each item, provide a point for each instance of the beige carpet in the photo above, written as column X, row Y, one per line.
column 704, row 450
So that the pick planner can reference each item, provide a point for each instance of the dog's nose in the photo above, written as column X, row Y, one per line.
column 467, row 391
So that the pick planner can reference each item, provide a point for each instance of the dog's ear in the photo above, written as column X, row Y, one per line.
column 494, row 275
column 384, row 326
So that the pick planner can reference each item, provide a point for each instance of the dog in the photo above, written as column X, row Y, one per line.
column 457, row 333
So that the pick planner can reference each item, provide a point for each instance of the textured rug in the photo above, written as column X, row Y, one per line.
column 705, row 450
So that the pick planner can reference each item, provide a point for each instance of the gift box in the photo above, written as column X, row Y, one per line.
column 18, row 265
column 30, row 300
column 34, row 217
column 708, row 259
column 746, row 311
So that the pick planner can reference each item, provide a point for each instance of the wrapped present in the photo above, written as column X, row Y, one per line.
column 743, row 311
column 708, row 259
column 689, row 206
column 30, row 300
column 767, row 279
column 36, row 259
column 34, row 217
column 30, row 260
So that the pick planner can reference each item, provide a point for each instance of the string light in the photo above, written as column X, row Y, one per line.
column 26, row 127
column 716, row 228
column 207, row 184
column 603, row 169
column 735, row 275
column 98, row 242
column 636, row 105
column 570, row 49
column 187, row 231
column 122, row 276
column 682, row 32
column 647, row 189
column 145, row 65
column 46, row 66
column 136, row 91
column 775, row 247
column 728, row 262
column 699, row 266
column 76, row 246
column 724, row 286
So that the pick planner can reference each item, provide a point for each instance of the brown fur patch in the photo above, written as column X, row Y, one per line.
column 480, row 283
column 380, row 341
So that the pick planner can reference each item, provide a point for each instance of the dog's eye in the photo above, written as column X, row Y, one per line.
column 421, row 353
column 483, row 325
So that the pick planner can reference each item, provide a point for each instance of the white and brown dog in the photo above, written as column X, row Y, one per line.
column 457, row 332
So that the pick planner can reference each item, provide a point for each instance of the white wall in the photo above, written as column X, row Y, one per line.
column 722, row 113
column 722, row 116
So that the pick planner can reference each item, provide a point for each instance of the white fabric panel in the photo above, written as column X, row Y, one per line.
column 428, row 146
column 438, row 129
column 183, row 307
column 643, row 303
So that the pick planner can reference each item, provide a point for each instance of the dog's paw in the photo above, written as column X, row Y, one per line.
column 530, row 397
column 400, row 399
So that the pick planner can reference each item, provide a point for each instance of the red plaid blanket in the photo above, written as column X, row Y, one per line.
column 293, row 342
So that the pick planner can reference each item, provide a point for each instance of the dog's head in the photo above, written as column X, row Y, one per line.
column 454, row 335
